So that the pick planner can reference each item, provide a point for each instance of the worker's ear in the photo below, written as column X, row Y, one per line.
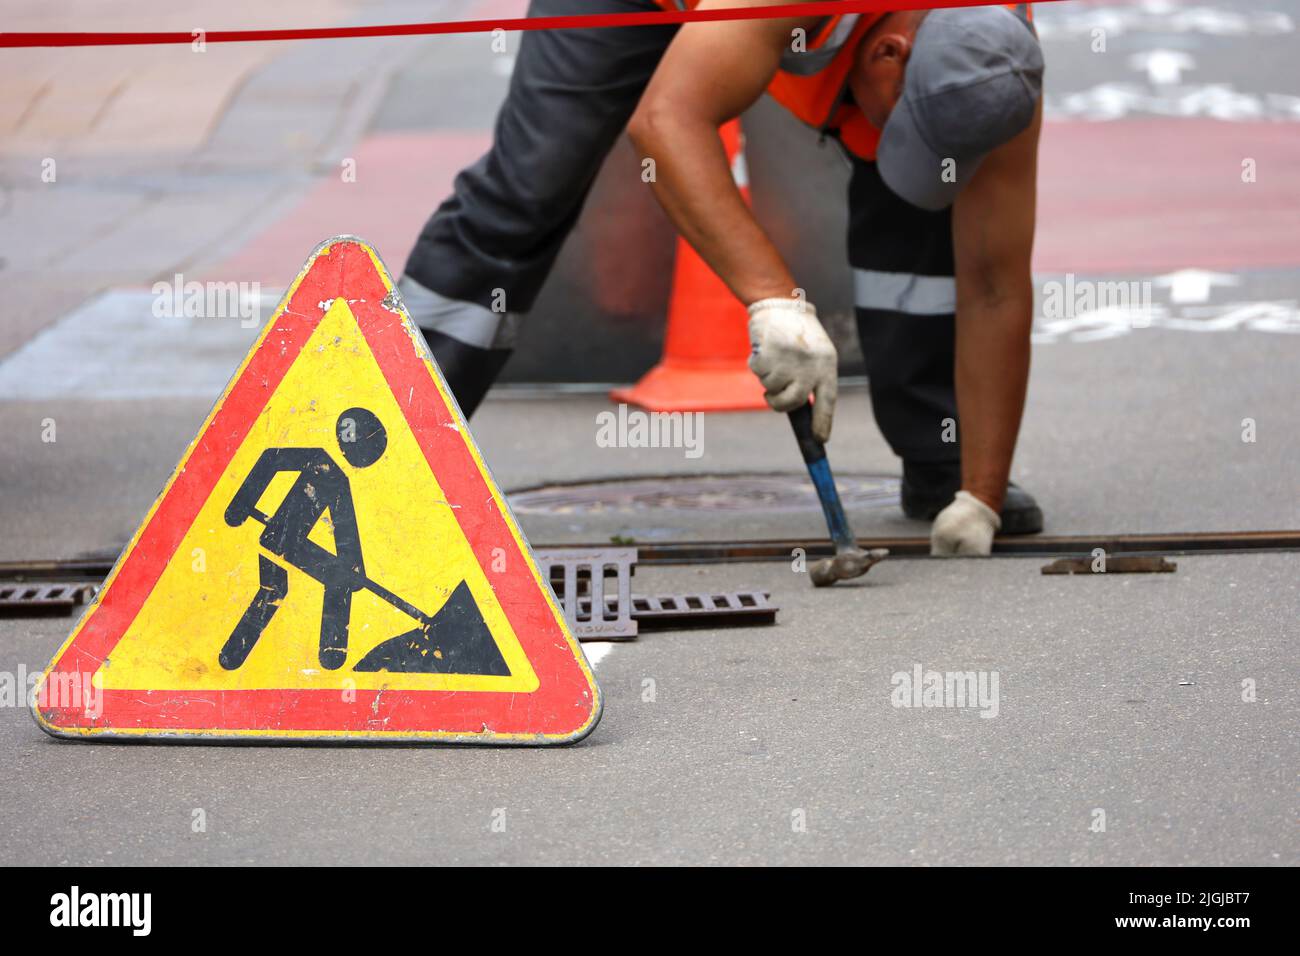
column 891, row 46
column 877, row 77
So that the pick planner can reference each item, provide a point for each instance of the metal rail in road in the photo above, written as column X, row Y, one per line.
column 1039, row 546
column 736, row 552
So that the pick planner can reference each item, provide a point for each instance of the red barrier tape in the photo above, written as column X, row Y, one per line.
column 589, row 21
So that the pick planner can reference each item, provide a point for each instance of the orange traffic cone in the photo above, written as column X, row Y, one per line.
column 706, row 347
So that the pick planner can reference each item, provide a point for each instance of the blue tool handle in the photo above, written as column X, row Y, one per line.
column 801, row 421
column 819, row 469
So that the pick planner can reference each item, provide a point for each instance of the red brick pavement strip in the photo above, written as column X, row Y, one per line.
column 1138, row 196
column 400, row 179
column 1142, row 196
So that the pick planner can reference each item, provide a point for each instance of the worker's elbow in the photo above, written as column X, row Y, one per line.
column 639, row 130
column 649, row 125
column 996, row 298
column 994, row 285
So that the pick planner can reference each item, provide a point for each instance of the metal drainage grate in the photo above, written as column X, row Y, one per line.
column 28, row 600
column 663, row 612
column 573, row 572
column 735, row 493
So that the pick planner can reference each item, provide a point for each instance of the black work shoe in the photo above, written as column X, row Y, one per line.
column 928, row 488
column 1020, row 512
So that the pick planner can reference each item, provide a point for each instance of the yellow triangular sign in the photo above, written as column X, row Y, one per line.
column 331, row 559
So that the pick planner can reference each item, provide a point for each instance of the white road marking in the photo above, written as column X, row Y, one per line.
column 1280, row 316
column 1158, row 16
column 597, row 651
column 1220, row 101
column 1193, row 285
column 1162, row 67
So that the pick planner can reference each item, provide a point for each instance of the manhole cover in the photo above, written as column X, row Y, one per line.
column 736, row 493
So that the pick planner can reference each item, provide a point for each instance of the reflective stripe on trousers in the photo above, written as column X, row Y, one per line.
column 904, row 292
column 466, row 322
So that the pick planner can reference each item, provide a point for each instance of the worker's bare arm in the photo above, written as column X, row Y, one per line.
column 711, row 73
column 993, row 239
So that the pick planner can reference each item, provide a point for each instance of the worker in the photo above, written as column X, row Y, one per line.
column 939, row 112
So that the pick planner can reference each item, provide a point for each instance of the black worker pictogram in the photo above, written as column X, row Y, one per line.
column 455, row 640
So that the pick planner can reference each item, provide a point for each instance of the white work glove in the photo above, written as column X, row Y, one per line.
column 966, row 526
column 793, row 356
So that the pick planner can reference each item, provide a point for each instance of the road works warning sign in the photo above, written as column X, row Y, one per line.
column 331, row 559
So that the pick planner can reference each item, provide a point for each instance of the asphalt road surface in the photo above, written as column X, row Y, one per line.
column 1120, row 695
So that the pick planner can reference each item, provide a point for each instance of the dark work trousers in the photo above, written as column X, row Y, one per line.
column 497, row 237
column 571, row 95
column 493, row 243
column 905, row 302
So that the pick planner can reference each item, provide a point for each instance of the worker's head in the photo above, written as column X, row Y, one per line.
column 361, row 436
column 945, row 87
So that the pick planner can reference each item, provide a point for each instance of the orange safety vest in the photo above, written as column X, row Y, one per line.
column 812, row 84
